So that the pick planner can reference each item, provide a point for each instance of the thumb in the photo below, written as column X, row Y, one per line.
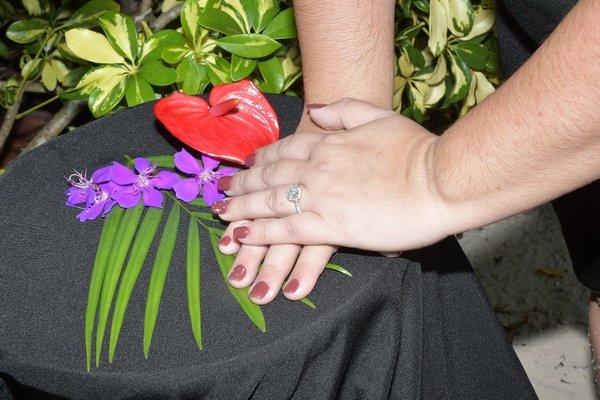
column 347, row 113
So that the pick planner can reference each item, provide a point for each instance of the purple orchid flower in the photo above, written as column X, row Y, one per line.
column 205, row 176
column 100, row 204
column 83, row 190
column 144, row 184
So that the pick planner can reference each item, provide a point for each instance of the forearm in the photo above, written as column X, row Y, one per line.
column 536, row 138
column 347, row 49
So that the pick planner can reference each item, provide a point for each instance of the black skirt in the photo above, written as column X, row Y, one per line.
column 418, row 327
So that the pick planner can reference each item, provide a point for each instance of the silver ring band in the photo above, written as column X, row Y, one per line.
column 293, row 195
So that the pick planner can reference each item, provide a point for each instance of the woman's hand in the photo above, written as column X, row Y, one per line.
column 370, row 187
column 299, row 266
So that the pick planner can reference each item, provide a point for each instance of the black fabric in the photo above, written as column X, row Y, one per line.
column 522, row 26
column 396, row 329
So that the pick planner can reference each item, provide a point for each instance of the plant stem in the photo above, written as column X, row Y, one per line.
column 188, row 211
column 57, row 124
column 37, row 106
column 165, row 18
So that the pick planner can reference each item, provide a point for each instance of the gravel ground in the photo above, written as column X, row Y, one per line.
column 525, row 269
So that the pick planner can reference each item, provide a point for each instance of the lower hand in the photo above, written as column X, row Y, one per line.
column 371, row 187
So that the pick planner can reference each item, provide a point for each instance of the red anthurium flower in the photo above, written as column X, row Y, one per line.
column 236, row 121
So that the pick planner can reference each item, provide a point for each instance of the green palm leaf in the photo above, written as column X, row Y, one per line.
column 193, row 281
column 159, row 274
column 307, row 301
column 127, row 228
column 139, row 252
column 338, row 268
column 107, row 238
column 225, row 262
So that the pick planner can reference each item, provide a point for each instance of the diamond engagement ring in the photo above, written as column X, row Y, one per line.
column 293, row 196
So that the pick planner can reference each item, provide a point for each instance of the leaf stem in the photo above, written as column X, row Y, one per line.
column 37, row 106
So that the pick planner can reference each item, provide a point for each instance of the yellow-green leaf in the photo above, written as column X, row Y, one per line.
column 462, row 79
column 92, row 46
column 438, row 27
column 193, row 281
column 48, row 77
column 265, row 11
column 484, row 20
column 120, row 32
column 252, row 45
column 27, row 30
column 190, row 20
column 484, row 87
column 60, row 69
column 97, row 76
column 36, row 7
column 137, row 91
column 105, row 97
column 460, row 16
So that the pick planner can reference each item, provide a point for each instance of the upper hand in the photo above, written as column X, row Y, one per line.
column 370, row 187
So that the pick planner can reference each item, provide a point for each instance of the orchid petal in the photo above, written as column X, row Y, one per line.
column 152, row 197
column 127, row 198
column 165, row 180
column 210, row 193
column 210, row 164
column 108, row 205
column 91, row 212
column 122, row 175
column 102, row 175
column 187, row 189
column 90, row 196
column 185, row 162
column 75, row 196
column 141, row 164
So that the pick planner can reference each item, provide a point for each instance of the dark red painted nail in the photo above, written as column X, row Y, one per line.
column 240, row 232
column 225, row 240
column 238, row 273
column 250, row 160
column 314, row 106
column 219, row 207
column 291, row 286
column 224, row 183
column 259, row 290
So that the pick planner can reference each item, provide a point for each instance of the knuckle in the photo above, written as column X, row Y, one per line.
column 241, row 179
column 272, row 200
column 291, row 228
column 332, row 138
column 284, row 145
column 267, row 174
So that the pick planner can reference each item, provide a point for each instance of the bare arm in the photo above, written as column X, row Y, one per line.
column 347, row 49
column 536, row 138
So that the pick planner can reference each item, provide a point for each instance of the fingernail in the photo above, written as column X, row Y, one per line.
column 219, row 207
column 259, row 290
column 238, row 273
column 225, row 240
column 291, row 286
column 224, row 183
column 250, row 160
column 240, row 232
column 314, row 106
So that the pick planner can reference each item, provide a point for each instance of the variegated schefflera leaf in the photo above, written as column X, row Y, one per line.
column 448, row 57
column 128, row 63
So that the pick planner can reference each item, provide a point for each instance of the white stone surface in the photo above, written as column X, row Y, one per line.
column 546, row 315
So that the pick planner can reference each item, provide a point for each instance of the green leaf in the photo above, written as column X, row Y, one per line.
column 272, row 73
column 422, row 5
column 219, row 21
column 475, row 55
column 308, row 302
column 415, row 56
column 438, row 27
column 460, row 15
column 3, row 50
column 225, row 262
column 241, row 67
column 123, row 239
column 206, row 216
column 283, row 26
column 103, row 255
column 90, row 12
column 36, row 7
column 241, row 11
column 159, row 274
column 27, row 30
column 92, row 79
column 199, row 202
column 155, row 44
column 139, row 252
column 49, row 78
column 31, row 68
column 164, row 161
column 92, row 46
column 250, row 45
column 138, row 91
column 195, row 78
column 462, row 80
column 190, row 20
column 484, row 21
column 105, row 97
column 219, row 72
column 338, row 268
column 156, row 73
column 120, row 32
column 174, row 55
column 264, row 11
column 193, row 281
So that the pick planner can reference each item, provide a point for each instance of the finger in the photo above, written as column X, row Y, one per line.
column 272, row 203
column 227, row 244
column 265, row 177
column 277, row 265
column 304, row 228
column 246, row 264
column 347, row 114
column 295, row 147
column 310, row 265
